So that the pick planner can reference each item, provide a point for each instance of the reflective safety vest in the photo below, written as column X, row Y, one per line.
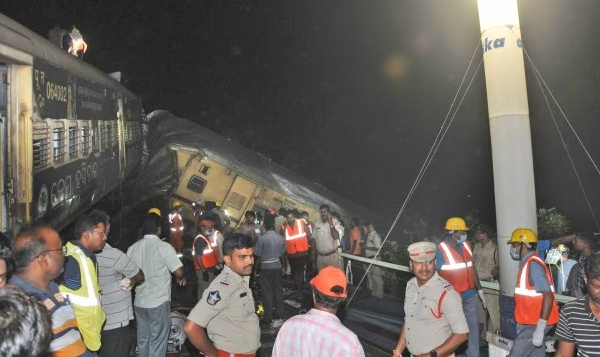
column 457, row 269
column 210, row 256
column 176, row 236
column 176, row 222
column 528, row 302
column 86, row 300
column 296, row 240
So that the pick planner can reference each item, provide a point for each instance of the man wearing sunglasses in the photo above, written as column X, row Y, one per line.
column 80, row 281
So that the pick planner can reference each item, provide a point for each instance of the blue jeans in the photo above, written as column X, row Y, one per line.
column 153, row 328
column 470, row 309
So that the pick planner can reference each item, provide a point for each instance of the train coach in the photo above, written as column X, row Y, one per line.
column 69, row 133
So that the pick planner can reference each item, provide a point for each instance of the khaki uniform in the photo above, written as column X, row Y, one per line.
column 426, row 326
column 326, row 246
column 226, row 310
column 485, row 259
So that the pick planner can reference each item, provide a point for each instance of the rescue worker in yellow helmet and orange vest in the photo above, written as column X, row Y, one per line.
column 205, row 251
column 176, row 225
column 297, row 236
column 536, row 310
column 454, row 262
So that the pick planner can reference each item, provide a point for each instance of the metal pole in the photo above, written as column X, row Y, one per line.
column 511, row 138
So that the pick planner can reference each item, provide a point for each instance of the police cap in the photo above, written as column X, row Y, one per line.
column 421, row 251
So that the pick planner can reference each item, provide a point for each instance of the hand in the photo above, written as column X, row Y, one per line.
column 538, row 335
column 181, row 282
column 482, row 298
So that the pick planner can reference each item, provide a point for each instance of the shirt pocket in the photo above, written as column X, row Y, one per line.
column 429, row 309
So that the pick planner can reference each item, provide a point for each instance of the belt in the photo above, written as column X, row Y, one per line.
column 328, row 253
column 221, row 353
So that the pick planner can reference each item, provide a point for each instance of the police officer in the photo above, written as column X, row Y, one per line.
column 226, row 309
column 434, row 322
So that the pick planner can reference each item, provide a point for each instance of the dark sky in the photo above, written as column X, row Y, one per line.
column 351, row 93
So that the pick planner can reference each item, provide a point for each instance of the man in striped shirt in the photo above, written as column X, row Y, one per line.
column 319, row 333
column 578, row 325
column 39, row 256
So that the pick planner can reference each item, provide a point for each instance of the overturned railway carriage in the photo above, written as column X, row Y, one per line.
column 190, row 163
column 69, row 133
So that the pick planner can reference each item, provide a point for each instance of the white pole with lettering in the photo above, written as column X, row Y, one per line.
column 511, row 137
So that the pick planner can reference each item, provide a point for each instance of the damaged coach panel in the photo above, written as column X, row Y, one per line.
column 190, row 163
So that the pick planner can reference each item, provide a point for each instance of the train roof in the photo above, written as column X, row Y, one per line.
column 17, row 36
column 167, row 130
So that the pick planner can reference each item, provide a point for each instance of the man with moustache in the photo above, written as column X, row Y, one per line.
column 80, row 280
column 38, row 255
column 226, row 309
column 434, row 322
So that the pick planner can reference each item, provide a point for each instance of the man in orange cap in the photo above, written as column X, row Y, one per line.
column 299, row 335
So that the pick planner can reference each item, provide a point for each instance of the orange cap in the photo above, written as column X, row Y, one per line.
column 327, row 278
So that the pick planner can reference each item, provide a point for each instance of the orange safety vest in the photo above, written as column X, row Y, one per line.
column 457, row 269
column 176, row 235
column 528, row 302
column 209, row 257
column 296, row 240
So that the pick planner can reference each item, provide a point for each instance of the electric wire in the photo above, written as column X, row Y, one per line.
column 545, row 89
column 448, row 120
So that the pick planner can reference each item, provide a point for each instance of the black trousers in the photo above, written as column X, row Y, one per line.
column 271, row 292
column 115, row 342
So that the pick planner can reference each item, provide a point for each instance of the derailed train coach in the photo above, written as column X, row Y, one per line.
column 69, row 132
column 190, row 163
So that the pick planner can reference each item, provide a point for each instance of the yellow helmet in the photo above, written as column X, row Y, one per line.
column 456, row 224
column 155, row 211
column 176, row 203
column 523, row 235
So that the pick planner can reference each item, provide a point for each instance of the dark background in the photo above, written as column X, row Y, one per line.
column 352, row 93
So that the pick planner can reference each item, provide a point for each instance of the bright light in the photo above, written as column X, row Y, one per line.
column 495, row 13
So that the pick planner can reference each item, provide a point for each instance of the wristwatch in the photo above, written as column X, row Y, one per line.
column 433, row 353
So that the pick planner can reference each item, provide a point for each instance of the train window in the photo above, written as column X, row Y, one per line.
column 73, row 142
column 58, row 139
column 115, row 136
column 41, row 146
column 236, row 200
column 103, row 137
column 204, row 169
column 85, row 140
column 196, row 184
column 109, row 135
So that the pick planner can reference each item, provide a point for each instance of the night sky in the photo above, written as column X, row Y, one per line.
column 351, row 93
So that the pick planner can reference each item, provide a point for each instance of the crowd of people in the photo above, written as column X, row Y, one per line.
column 76, row 299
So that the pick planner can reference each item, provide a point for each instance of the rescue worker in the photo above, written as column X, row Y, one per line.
column 434, row 322
column 176, row 224
column 536, row 311
column 454, row 262
column 223, row 217
column 78, row 45
column 223, row 323
column 81, row 277
column 152, row 210
column 205, row 253
column 297, row 236
column 326, row 239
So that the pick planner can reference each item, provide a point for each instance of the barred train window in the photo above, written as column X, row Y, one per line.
column 103, row 137
column 85, row 140
column 41, row 147
column 73, row 142
column 58, row 138
column 95, row 139
column 109, row 136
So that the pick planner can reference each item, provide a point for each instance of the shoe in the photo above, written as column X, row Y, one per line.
column 277, row 323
